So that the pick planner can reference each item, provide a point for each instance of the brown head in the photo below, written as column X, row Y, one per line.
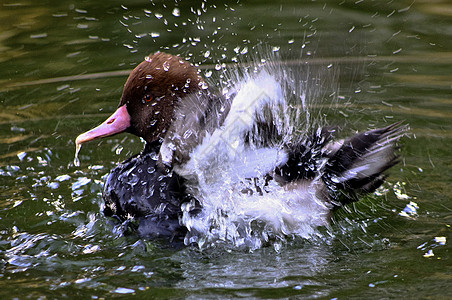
column 149, row 98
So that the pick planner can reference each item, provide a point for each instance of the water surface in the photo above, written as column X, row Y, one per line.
column 369, row 63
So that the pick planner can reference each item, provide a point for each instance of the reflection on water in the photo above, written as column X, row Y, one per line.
column 63, row 66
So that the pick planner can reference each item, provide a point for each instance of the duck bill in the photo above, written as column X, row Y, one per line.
column 118, row 122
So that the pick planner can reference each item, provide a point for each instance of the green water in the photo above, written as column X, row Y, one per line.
column 62, row 67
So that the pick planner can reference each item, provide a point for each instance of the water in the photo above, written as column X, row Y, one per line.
column 78, row 147
column 220, row 168
column 63, row 66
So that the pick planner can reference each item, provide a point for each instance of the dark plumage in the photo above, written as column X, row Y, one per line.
column 156, row 205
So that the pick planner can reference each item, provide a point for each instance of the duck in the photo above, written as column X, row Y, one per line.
column 234, row 155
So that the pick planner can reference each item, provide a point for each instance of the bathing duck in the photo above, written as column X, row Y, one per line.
column 239, row 147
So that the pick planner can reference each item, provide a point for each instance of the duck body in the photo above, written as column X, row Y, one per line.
column 230, row 167
column 137, row 189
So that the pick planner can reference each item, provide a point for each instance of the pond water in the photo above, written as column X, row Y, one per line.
column 62, row 68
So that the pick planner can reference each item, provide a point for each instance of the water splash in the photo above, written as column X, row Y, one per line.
column 253, row 212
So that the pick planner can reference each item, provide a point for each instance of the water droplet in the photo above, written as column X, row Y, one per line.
column 171, row 146
column 82, row 280
column 207, row 54
column 440, row 240
column 429, row 253
column 119, row 149
column 77, row 150
column 187, row 83
column 91, row 249
column 21, row 155
column 187, row 133
column 166, row 66
column 42, row 161
column 133, row 180
column 17, row 203
column 137, row 268
column 208, row 73
column 81, row 181
column 176, row 12
column 63, row 178
column 53, row 185
column 244, row 51
column 158, row 16
column 17, row 129
column 155, row 34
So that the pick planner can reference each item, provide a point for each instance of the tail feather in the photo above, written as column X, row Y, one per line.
column 357, row 167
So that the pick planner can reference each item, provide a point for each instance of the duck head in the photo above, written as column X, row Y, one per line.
column 149, row 98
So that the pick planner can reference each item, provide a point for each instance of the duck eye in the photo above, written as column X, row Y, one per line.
column 148, row 98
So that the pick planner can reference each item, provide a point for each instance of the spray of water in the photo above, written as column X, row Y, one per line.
column 228, row 169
